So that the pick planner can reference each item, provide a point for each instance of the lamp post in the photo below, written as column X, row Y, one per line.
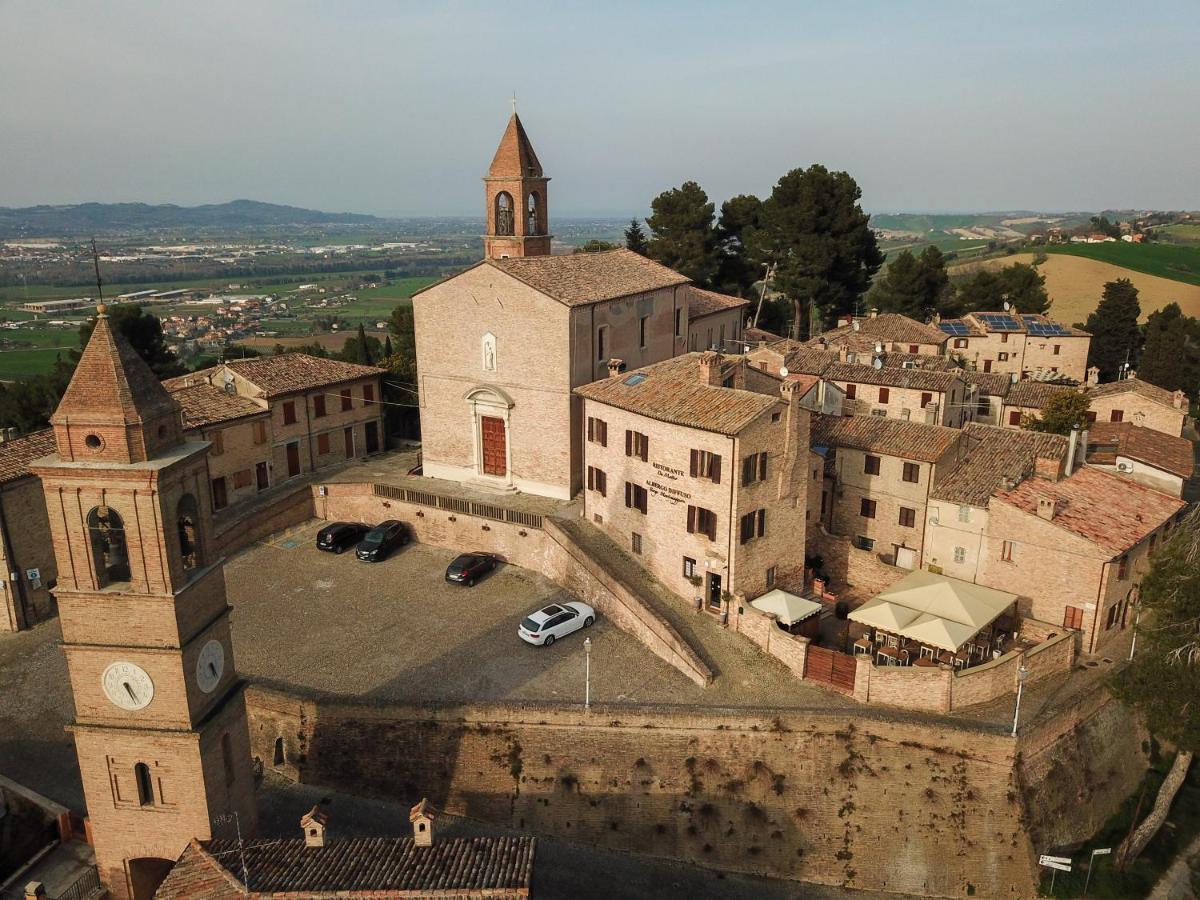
column 587, row 673
column 1022, row 674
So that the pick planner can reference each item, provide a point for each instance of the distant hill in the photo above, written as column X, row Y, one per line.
column 85, row 218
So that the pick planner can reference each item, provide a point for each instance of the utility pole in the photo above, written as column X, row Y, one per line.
column 587, row 673
column 763, row 293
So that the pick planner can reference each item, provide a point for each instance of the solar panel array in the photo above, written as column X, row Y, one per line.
column 998, row 321
column 955, row 328
column 1040, row 328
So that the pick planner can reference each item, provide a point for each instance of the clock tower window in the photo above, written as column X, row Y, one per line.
column 504, row 213
column 110, row 555
column 189, row 541
column 145, row 784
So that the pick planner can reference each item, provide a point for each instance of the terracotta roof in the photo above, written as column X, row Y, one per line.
column 1033, row 394
column 993, row 454
column 887, row 376
column 672, row 391
column 1170, row 453
column 808, row 360
column 1135, row 386
column 760, row 334
column 890, row 327
column 112, row 385
column 206, row 404
column 996, row 384
column 1111, row 512
column 291, row 372
column 17, row 454
column 514, row 156
column 354, row 866
column 897, row 360
column 705, row 303
column 578, row 279
column 980, row 326
column 889, row 437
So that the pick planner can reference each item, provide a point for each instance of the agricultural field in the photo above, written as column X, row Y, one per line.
column 1175, row 261
column 17, row 364
column 1183, row 233
column 1076, row 282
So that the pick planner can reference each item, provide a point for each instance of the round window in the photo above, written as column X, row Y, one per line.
column 93, row 442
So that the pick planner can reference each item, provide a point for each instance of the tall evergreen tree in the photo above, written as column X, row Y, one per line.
column 682, row 236
column 902, row 288
column 1020, row 285
column 736, row 271
column 1171, row 354
column 820, row 240
column 635, row 237
column 362, row 350
column 387, row 346
column 936, row 282
column 1116, row 337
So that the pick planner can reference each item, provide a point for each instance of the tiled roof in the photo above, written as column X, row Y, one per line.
column 979, row 324
column 1111, row 512
column 1134, row 386
column 578, row 279
column 889, row 437
column 514, row 156
column 993, row 454
column 354, row 866
column 1033, row 394
column 206, row 404
column 672, row 391
column 760, row 334
column 916, row 379
column 891, row 327
column 705, row 303
column 1107, row 440
column 291, row 372
column 17, row 454
column 996, row 384
column 898, row 360
column 808, row 360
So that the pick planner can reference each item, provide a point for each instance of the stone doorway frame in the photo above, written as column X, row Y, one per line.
column 489, row 401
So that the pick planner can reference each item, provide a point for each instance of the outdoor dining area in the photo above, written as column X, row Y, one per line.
column 933, row 620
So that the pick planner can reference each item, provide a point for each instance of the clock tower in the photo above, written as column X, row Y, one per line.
column 160, row 720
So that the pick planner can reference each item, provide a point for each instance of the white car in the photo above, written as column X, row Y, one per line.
column 552, row 622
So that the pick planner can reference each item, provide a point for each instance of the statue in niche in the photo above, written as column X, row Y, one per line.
column 489, row 352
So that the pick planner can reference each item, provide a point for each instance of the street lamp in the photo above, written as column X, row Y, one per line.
column 587, row 673
column 1022, row 674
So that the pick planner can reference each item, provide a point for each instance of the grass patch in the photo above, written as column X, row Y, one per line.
column 1139, row 879
column 1175, row 261
column 16, row 364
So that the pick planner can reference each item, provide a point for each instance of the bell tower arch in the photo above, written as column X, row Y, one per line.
column 515, row 190
column 160, row 721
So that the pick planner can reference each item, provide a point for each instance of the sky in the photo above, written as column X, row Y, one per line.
column 395, row 108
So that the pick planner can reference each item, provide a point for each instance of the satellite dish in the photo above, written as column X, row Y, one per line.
column 783, row 372
column 877, row 363
column 229, row 377
column 878, row 346
column 855, row 325
column 1014, row 377
column 1007, row 306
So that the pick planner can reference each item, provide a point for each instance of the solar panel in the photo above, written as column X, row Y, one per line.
column 998, row 321
column 956, row 329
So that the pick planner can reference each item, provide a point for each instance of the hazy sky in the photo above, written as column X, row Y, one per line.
column 396, row 108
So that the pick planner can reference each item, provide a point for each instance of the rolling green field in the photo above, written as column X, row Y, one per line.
column 1183, row 232
column 1174, row 261
column 16, row 364
column 963, row 247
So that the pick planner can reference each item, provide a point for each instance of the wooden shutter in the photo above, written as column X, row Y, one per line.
column 642, row 496
column 645, row 447
column 695, row 462
column 591, row 478
column 747, row 526
column 762, row 466
column 691, row 520
column 602, row 482
column 628, row 494
column 628, row 442
column 712, row 526
column 591, row 429
column 716, row 469
column 747, row 470
column 603, row 433
column 762, row 522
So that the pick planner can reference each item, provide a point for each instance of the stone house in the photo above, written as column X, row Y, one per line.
column 714, row 319
column 987, row 391
column 1139, row 402
column 1154, row 458
column 897, row 333
column 880, row 473
column 698, row 466
column 1022, row 344
column 911, row 394
column 26, row 548
column 1026, row 400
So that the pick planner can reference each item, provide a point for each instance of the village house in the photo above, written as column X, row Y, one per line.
column 1023, row 344
column 879, row 476
column 897, row 333
column 989, row 395
column 1025, row 401
column 1139, row 402
column 918, row 395
column 1153, row 458
column 698, row 466
column 714, row 319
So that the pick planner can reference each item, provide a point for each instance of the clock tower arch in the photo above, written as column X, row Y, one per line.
column 160, row 721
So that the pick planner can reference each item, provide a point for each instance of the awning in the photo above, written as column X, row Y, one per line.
column 787, row 608
column 939, row 632
column 878, row 613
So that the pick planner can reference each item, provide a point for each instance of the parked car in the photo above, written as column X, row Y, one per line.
column 469, row 568
column 378, row 543
column 340, row 536
column 551, row 622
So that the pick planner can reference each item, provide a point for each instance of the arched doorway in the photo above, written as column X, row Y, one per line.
column 490, row 422
column 146, row 874
column 110, row 554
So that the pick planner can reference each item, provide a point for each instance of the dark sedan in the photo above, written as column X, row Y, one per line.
column 378, row 543
column 469, row 568
column 340, row 536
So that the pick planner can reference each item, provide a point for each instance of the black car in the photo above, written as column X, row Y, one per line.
column 378, row 543
column 340, row 536
column 469, row 568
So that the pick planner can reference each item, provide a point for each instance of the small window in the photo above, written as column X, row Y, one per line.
column 635, row 497
column 602, row 343
column 368, row 393
column 597, row 481
column 260, row 432
column 926, row 399
column 1006, row 549
column 913, row 349
column 960, row 554
column 636, row 543
column 145, row 784
column 774, row 417
column 1002, row 356
column 1073, row 618
column 323, row 444
column 1057, row 349
column 347, row 402
column 597, row 431
column 289, row 412
column 318, row 406
column 1122, row 568
column 1114, row 613
column 851, row 391
column 964, row 514
column 867, row 508
column 689, row 567
column 678, row 323
column 1003, row 338
column 637, row 444
column 706, row 465
column 643, row 325
column 908, row 517
column 702, row 521
column 960, row 343
column 871, row 465
column 862, row 542
column 1014, row 418
column 1117, row 415
column 912, row 473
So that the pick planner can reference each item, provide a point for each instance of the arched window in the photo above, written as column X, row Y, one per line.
column 532, row 216
column 110, row 555
column 187, row 517
column 504, row 213
column 145, row 784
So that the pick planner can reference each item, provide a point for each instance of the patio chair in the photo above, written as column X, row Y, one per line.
column 928, row 652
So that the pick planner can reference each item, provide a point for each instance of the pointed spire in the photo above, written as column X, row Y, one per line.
column 515, row 157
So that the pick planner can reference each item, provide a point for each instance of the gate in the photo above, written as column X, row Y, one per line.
column 830, row 667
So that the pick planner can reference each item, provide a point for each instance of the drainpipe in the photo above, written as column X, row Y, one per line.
column 1096, row 614
column 732, row 513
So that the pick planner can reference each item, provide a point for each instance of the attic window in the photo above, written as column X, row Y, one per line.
column 635, row 379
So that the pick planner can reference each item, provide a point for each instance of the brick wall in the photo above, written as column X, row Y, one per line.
column 1071, row 359
column 25, row 543
column 855, row 573
column 761, row 628
column 1140, row 411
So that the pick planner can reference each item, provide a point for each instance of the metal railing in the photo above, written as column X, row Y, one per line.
column 86, row 886
column 459, row 505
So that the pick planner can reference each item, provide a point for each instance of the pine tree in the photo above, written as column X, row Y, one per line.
column 1171, row 355
column 902, row 288
column 387, row 347
column 635, row 237
column 736, row 271
column 1019, row 285
column 362, row 350
column 1116, row 337
column 682, row 236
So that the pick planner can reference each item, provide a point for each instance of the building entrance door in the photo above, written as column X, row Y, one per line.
column 293, row 459
column 348, row 437
column 372, row 437
column 261, row 476
column 495, row 445
column 714, row 590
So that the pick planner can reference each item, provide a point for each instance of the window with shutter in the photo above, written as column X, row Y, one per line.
column 851, row 391
column 871, row 465
column 762, row 522
column 747, row 471
column 762, row 466
column 691, row 520
column 912, row 473
column 867, row 508
column 884, row 394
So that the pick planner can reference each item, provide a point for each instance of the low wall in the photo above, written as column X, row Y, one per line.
column 909, row 687
column 240, row 526
column 760, row 628
column 29, row 823
column 542, row 547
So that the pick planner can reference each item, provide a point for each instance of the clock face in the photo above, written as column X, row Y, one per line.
column 209, row 665
column 127, row 685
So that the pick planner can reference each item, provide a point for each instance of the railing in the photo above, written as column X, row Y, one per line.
column 459, row 505
column 86, row 886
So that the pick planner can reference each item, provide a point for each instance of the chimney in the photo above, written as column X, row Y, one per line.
column 797, row 427
column 874, row 312
column 936, row 320
column 931, row 413
column 422, row 816
column 1178, row 399
column 1093, row 375
column 1046, row 508
column 1081, row 456
column 1047, row 467
column 615, row 367
column 314, row 823
column 1072, row 446
column 710, row 368
column 35, row 890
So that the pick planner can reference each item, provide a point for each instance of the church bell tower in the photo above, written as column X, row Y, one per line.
column 515, row 193
column 160, row 720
